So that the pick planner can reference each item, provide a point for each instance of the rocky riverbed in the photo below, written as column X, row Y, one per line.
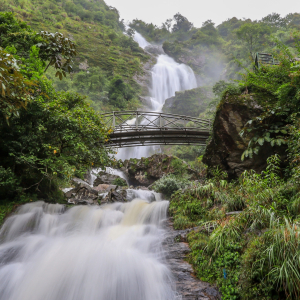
column 187, row 285
column 175, row 246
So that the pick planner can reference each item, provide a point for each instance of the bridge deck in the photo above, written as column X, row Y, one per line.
column 135, row 128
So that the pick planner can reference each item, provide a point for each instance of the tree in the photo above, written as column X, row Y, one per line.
column 181, row 23
column 58, row 50
column 167, row 25
column 14, row 87
column 252, row 35
column 274, row 20
column 120, row 92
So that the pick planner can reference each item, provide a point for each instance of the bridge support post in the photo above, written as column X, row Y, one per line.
column 114, row 120
column 136, row 120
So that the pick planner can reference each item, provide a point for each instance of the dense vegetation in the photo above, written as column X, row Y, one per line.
column 247, row 236
column 46, row 136
column 221, row 45
column 106, row 61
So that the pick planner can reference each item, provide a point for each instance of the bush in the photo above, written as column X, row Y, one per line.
column 120, row 182
column 169, row 184
column 8, row 183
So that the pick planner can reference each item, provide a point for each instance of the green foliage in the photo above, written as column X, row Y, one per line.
column 119, row 92
column 168, row 184
column 119, row 182
column 181, row 24
column 46, row 137
column 253, row 34
column 247, row 231
column 58, row 50
column 276, row 89
column 15, row 88
column 93, row 27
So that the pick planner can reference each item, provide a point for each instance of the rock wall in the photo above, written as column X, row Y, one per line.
column 226, row 146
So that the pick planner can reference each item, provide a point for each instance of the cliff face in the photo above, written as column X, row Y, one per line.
column 226, row 146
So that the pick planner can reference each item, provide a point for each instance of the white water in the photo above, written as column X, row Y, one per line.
column 140, row 40
column 168, row 77
column 112, row 252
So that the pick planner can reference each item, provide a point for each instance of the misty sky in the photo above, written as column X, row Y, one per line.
column 198, row 11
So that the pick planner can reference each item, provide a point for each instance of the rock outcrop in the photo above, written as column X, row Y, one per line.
column 106, row 178
column 226, row 146
column 83, row 193
column 189, row 102
column 144, row 171
column 155, row 49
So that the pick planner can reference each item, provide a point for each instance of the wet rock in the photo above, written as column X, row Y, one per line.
column 113, row 194
column 144, row 79
column 226, row 146
column 155, row 49
column 145, row 171
column 187, row 285
column 106, row 178
column 82, row 193
column 101, row 187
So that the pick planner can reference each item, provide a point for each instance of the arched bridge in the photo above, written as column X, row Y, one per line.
column 141, row 128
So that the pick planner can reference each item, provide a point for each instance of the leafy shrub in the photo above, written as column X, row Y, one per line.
column 120, row 182
column 8, row 183
column 169, row 184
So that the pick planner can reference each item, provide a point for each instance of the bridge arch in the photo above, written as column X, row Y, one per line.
column 143, row 128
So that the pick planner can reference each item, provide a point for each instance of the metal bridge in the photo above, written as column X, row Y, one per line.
column 141, row 128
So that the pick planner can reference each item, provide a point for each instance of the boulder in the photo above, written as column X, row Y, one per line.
column 155, row 49
column 145, row 171
column 106, row 178
column 113, row 194
column 82, row 193
column 226, row 146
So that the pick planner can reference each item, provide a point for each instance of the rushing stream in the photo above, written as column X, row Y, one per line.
column 108, row 252
column 112, row 252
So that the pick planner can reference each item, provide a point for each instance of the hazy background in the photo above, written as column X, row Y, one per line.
column 198, row 11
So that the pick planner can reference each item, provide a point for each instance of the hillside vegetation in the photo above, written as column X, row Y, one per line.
column 107, row 60
column 247, row 236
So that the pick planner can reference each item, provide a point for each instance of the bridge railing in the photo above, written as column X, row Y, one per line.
column 129, row 121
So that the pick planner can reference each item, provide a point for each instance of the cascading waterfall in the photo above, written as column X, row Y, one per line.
column 108, row 252
column 112, row 252
column 168, row 77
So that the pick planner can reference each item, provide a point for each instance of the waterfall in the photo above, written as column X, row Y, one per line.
column 168, row 77
column 140, row 40
column 112, row 252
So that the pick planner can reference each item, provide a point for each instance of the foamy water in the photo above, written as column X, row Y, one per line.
column 112, row 252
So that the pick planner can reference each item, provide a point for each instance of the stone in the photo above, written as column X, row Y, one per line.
column 145, row 171
column 106, row 178
column 188, row 286
column 154, row 49
column 82, row 193
column 226, row 146
column 113, row 194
